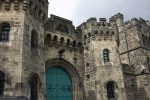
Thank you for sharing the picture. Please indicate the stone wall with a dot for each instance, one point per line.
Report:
(11, 51)
(134, 50)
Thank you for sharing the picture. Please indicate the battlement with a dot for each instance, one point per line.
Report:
(59, 24)
(61, 41)
(103, 22)
(54, 17)
(135, 21)
(38, 9)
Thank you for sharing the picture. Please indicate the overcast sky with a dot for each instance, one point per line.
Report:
(80, 10)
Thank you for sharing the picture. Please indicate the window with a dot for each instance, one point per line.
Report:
(34, 87)
(110, 90)
(34, 39)
(80, 44)
(143, 38)
(107, 33)
(55, 38)
(48, 39)
(2, 82)
(149, 42)
(89, 34)
(96, 32)
(4, 34)
(68, 41)
(62, 40)
(148, 63)
(146, 39)
(87, 64)
(74, 43)
(106, 55)
(85, 37)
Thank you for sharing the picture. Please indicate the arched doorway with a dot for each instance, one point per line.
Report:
(34, 87)
(2, 82)
(58, 84)
(71, 75)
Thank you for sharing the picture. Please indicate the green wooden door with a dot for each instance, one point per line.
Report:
(58, 84)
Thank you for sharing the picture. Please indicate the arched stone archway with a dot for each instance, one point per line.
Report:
(77, 92)
(111, 89)
(2, 82)
(34, 82)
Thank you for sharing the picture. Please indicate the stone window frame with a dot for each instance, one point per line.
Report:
(5, 32)
(106, 55)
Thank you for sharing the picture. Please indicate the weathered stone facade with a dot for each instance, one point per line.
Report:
(105, 60)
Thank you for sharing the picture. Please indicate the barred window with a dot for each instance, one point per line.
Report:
(5, 31)
(106, 55)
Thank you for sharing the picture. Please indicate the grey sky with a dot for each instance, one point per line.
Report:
(80, 10)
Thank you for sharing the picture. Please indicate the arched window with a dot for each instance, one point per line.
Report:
(110, 90)
(74, 43)
(4, 32)
(34, 87)
(106, 55)
(62, 40)
(34, 39)
(48, 39)
(2, 83)
(55, 38)
(68, 41)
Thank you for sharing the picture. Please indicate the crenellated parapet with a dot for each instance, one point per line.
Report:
(60, 25)
(36, 8)
(58, 41)
(99, 31)
(135, 21)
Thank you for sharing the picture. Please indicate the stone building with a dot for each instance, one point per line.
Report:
(49, 59)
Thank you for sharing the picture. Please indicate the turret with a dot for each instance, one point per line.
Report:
(36, 8)
(119, 21)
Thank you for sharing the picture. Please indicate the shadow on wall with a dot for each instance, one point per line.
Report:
(91, 95)
(142, 94)
(14, 98)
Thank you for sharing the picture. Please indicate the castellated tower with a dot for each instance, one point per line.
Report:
(21, 45)
(103, 79)
(134, 50)
(119, 20)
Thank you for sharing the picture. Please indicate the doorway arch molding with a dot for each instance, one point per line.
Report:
(72, 71)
